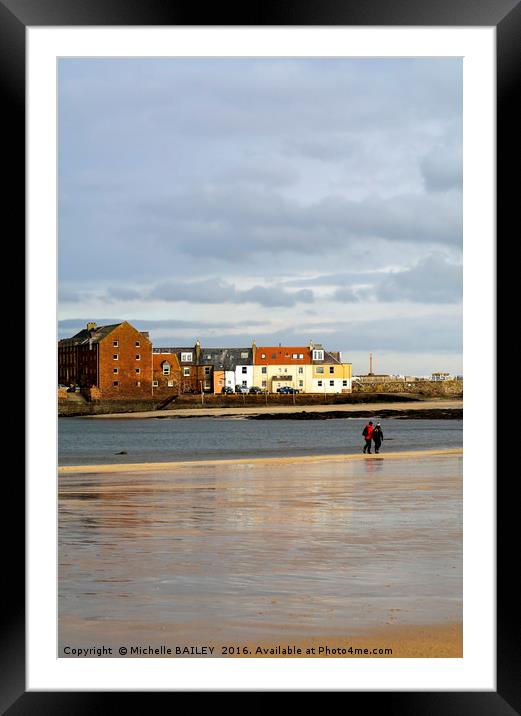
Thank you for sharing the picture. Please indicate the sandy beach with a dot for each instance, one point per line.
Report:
(342, 551)
(268, 461)
(369, 408)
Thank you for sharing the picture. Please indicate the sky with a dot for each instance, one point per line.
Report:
(275, 200)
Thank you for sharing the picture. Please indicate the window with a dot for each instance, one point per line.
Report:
(138, 357)
(301, 383)
(207, 385)
(244, 369)
(186, 357)
(138, 344)
(115, 370)
(332, 382)
(138, 370)
(301, 370)
(319, 383)
(166, 368)
(320, 369)
(116, 383)
(138, 383)
(207, 370)
(263, 383)
(115, 356)
(155, 383)
(318, 355)
(186, 371)
(264, 370)
(244, 383)
(170, 383)
(344, 383)
(244, 355)
(115, 344)
(263, 355)
(301, 356)
(331, 368)
(208, 357)
(294, 356)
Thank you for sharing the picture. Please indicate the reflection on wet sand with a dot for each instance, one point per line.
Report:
(260, 552)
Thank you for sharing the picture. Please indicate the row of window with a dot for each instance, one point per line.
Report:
(116, 370)
(115, 356)
(331, 383)
(294, 356)
(116, 344)
(116, 383)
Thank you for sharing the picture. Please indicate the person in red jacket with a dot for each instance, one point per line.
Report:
(367, 432)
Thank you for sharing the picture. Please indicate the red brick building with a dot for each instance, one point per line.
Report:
(195, 370)
(166, 373)
(116, 360)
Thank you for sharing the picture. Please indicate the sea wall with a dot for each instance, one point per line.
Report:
(423, 388)
(103, 407)
(100, 407)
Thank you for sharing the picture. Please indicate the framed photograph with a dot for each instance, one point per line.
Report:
(249, 208)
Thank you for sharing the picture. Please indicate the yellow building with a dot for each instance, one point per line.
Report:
(330, 377)
(272, 377)
(326, 373)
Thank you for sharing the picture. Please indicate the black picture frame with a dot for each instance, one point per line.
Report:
(505, 16)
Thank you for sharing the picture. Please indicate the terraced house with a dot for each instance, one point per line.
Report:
(193, 376)
(166, 373)
(328, 373)
(280, 366)
(229, 367)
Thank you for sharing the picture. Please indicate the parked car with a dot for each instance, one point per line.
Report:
(73, 389)
(227, 389)
(287, 390)
(255, 389)
(241, 389)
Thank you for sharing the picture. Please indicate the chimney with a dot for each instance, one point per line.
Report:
(370, 364)
(197, 351)
(253, 350)
(91, 326)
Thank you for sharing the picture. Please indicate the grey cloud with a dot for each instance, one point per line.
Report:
(442, 169)
(432, 280)
(215, 291)
(346, 295)
(241, 224)
(122, 293)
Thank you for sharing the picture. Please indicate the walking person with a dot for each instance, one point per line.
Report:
(367, 432)
(378, 437)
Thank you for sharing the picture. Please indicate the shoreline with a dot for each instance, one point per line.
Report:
(436, 407)
(162, 466)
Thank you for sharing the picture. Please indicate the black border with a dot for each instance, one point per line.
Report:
(505, 15)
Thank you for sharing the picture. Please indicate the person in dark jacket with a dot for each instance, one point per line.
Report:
(378, 437)
(367, 432)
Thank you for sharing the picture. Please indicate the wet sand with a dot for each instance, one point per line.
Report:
(370, 408)
(363, 552)
(179, 464)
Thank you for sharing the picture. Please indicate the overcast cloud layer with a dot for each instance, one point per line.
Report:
(281, 200)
